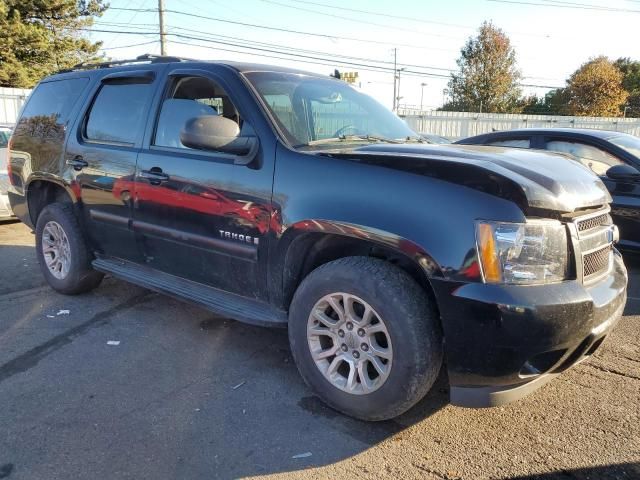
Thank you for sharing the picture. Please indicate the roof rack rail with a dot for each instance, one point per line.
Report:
(146, 58)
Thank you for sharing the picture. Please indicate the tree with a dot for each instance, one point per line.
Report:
(595, 89)
(488, 76)
(631, 82)
(38, 37)
(554, 102)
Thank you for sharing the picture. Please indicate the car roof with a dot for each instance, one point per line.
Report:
(144, 60)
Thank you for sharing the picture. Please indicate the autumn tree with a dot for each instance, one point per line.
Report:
(488, 75)
(38, 37)
(595, 89)
(631, 82)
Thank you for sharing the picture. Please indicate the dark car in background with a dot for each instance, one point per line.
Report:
(613, 156)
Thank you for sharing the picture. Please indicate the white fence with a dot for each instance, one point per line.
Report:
(455, 125)
(11, 100)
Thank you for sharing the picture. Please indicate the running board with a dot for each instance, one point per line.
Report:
(217, 301)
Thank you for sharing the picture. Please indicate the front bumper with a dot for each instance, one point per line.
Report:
(504, 341)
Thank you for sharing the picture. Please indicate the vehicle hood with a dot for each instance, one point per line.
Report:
(542, 180)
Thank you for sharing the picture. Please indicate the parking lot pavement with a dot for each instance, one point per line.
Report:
(185, 394)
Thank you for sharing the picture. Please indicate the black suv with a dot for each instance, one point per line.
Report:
(278, 197)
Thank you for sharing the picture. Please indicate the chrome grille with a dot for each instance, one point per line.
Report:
(595, 244)
(596, 262)
(594, 222)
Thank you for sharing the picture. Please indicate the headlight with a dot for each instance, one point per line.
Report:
(522, 253)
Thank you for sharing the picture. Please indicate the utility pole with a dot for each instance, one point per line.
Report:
(395, 66)
(163, 48)
(399, 97)
(624, 112)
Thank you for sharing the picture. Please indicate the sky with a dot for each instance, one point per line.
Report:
(551, 42)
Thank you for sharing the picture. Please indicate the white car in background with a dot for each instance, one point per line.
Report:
(5, 208)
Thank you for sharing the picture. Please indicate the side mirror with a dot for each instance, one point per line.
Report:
(623, 172)
(219, 134)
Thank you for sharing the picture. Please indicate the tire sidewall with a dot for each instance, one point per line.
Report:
(77, 249)
(414, 348)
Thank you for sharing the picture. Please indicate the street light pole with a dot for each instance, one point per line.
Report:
(422, 95)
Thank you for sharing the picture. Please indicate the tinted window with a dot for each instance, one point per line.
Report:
(513, 143)
(191, 97)
(40, 132)
(118, 113)
(597, 160)
(54, 98)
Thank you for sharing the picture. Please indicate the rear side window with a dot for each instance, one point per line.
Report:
(54, 99)
(118, 113)
(40, 132)
(512, 143)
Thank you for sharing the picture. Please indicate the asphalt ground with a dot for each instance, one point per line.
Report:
(188, 395)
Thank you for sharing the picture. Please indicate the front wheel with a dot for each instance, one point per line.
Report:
(365, 337)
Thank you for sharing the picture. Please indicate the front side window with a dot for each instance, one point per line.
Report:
(313, 111)
(118, 113)
(596, 159)
(191, 97)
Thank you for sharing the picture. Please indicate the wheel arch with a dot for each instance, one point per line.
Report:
(312, 243)
(42, 192)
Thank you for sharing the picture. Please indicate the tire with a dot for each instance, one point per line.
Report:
(413, 337)
(78, 276)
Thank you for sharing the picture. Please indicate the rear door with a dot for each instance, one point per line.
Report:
(102, 157)
(199, 215)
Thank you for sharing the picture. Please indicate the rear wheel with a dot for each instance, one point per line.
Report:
(365, 337)
(62, 252)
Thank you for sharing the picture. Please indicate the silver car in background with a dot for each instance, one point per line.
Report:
(5, 208)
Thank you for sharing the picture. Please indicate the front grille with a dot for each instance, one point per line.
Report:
(594, 222)
(596, 262)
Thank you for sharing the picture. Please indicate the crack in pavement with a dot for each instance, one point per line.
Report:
(32, 357)
(608, 370)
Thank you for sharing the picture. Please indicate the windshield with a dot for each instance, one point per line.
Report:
(318, 112)
(629, 143)
(4, 138)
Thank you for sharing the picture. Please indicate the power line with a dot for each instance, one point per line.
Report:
(287, 30)
(570, 5)
(378, 14)
(354, 20)
(332, 60)
(129, 46)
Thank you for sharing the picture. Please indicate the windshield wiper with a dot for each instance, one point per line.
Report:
(351, 138)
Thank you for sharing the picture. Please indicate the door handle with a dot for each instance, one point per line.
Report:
(155, 176)
(78, 163)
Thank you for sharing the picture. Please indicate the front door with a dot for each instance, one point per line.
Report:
(102, 155)
(199, 215)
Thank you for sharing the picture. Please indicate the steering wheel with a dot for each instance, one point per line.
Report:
(343, 131)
